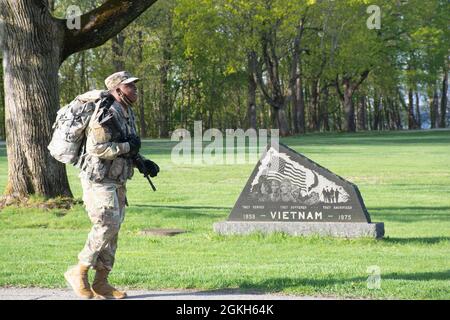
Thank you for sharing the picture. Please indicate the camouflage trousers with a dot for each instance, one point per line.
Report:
(105, 204)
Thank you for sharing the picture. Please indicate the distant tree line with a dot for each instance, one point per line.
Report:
(296, 65)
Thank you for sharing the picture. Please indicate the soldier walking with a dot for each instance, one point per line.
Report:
(107, 164)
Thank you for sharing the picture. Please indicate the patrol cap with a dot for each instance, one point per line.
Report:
(118, 78)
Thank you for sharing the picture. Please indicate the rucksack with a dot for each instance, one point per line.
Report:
(70, 125)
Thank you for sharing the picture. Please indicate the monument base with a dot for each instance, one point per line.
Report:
(333, 229)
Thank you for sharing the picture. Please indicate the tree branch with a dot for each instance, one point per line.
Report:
(338, 88)
(362, 77)
(101, 24)
(51, 5)
(297, 51)
(43, 4)
(257, 77)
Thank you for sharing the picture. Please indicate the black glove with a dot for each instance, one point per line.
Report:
(151, 167)
(135, 145)
(146, 167)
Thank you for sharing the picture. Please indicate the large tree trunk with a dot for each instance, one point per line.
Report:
(117, 46)
(34, 46)
(388, 118)
(338, 120)
(281, 121)
(324, 115)
(31, 94)
(2, 104)
(350, 86)
(251, 92)
(443, 118)
(411, 119)
(418, 117)
(51, 5)
(381, 107)
(398, 118)
(164, 92)
(349, 109)
(434, 109)
(296, 82)
(370, 114)
(142, 124)
(396, 115)
(393, 123)
(362, 113)
(314, 109)
(299, 104)
(377, 112)
(272, 91)
(84, 86)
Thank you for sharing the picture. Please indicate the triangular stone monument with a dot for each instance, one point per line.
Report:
(287, 192)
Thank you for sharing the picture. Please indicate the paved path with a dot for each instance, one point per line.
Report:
(66, 294)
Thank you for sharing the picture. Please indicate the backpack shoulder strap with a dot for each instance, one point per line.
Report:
(94, 114)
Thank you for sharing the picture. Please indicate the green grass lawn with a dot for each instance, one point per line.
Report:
(404, 178)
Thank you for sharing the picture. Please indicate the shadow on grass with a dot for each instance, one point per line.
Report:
(412, 208)
(182, 207)
(274, 285)
(426, 240)
(278, 284)
(421, 276)
(411, 214)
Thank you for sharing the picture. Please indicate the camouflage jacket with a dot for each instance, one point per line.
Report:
(101, 161)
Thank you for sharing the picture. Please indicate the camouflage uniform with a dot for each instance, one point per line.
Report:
(103, 177)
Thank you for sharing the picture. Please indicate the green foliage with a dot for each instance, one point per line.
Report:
(192, 58)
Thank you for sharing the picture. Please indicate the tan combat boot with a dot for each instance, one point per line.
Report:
(102, 289)
(77, 277)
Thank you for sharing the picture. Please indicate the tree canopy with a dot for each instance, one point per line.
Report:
(296, 65)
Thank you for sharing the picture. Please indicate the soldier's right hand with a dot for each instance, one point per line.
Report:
(135, 145)
(151, 167)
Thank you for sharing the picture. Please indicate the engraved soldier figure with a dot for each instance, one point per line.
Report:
(264, 191)
(106, 165)
(336, 195)
(275, 187)
(295, 193)
(332, 195)
(285, 190)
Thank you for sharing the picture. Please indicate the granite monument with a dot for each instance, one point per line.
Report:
(287, 192)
